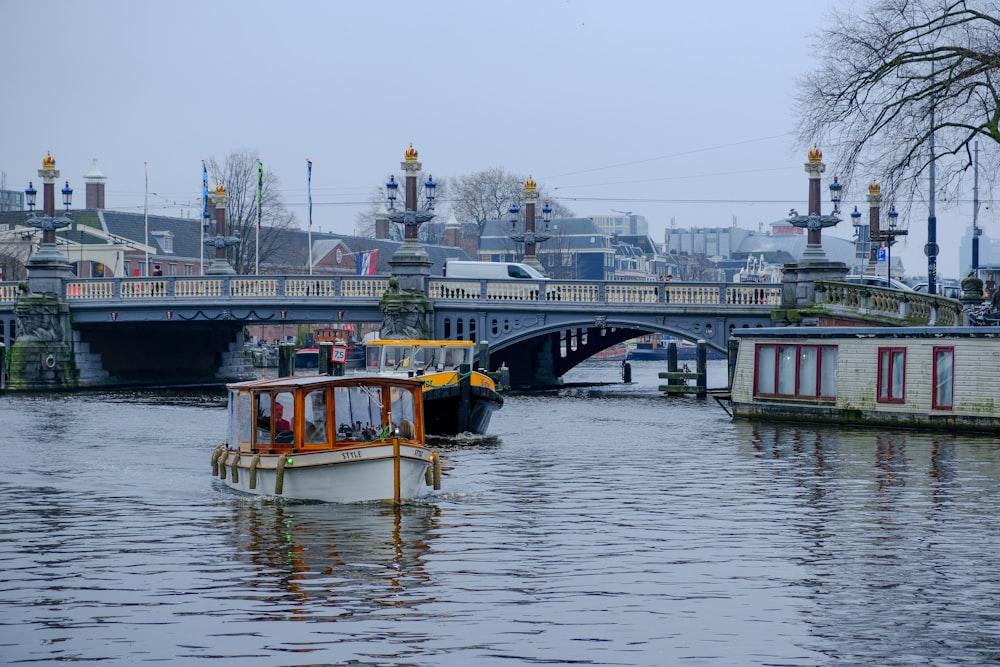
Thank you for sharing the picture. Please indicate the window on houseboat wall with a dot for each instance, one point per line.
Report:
(891, 374)
(944, 378)
(797, 371)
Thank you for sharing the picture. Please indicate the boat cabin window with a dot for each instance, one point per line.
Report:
(275, 417)
(358, 411)
(455, 356)
(315, 414)
(403, 412)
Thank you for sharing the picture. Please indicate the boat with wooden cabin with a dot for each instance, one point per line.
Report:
(332, 439)
(920, 377)
(457, 398)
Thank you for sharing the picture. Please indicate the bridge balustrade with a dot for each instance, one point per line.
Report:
(891, 304)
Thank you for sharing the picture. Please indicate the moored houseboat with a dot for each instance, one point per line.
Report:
(332, 439)
(921, 377)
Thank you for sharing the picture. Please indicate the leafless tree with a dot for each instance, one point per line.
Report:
(488, 195)
(238, 173)
(897, 74)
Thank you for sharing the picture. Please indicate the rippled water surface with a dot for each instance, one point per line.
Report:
(603, 525)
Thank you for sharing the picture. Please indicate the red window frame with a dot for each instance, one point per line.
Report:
(886, 372)
(941, 405)
(816, 394)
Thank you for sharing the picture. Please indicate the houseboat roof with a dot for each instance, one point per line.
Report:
(870, 332)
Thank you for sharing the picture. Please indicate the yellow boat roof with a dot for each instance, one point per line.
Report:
(424, 343)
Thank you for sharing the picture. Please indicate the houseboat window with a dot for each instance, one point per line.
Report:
(944, 378)
(798, 371)
(891, 374)
(358, 411)
(787, 358)
(766, 369)
(314, 412)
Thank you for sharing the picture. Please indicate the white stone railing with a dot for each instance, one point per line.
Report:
(890, 305)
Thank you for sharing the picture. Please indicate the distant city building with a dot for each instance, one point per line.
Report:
(11, 200)
(623, 224)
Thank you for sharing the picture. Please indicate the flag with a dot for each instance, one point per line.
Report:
(260, 189)
(204, 195)
(309, 186)
(366, 262)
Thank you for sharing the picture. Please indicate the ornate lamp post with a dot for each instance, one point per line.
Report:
(410, 263)
(814, 223)
(220, 265)
(48, 266)
(529, 238)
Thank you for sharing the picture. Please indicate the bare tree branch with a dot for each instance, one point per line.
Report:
(238, 173)
(893, 77)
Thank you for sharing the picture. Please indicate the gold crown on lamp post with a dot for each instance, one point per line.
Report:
(874, 188)
(815, 154)
(410, 154)
(220, 190)
(48, 162)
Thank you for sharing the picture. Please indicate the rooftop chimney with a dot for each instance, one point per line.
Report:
(95, 186)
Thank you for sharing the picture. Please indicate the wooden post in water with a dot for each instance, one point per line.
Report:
(672, 362)
(701, 367)
(325, 367)
(286, 360)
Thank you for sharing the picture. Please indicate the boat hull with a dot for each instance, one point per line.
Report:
(446, 412)
(359, 474)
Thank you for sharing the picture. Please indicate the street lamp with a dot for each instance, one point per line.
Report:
(835, 190)
(530, 238)
(859, 247)
(814, 222)
(48, 222)
(410, 217)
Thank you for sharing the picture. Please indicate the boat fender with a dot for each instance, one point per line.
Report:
(429, 474)
(223, 461)
(216, 453)
(279, 476)
(437, 473)
(236, 471)
(50, 361)
(254, 462)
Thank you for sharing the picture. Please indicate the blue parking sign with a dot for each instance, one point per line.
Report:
(881, 255)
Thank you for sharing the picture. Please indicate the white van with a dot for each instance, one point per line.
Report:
(455, 268)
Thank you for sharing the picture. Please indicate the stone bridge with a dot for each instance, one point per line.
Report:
(175, 330)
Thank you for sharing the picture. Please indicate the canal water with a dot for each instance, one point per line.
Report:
(598, 525)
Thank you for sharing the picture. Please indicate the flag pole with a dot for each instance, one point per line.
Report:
(145, 215)
(204, 215)
(260, 195)
(309, 178)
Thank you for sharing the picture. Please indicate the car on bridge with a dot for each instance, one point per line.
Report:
(878, 281)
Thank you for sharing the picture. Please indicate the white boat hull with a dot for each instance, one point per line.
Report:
(348, 475)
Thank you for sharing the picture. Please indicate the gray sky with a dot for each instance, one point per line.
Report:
(680, 111)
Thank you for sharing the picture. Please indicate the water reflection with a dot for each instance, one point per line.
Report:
(893, 526)
(324, 562)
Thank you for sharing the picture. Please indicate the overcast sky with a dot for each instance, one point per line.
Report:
(680, 111)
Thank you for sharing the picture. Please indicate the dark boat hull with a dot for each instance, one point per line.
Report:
(448, 412)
